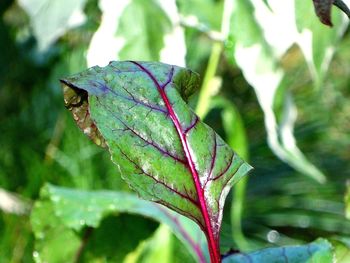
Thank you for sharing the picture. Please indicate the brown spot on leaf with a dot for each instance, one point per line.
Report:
(76, 100)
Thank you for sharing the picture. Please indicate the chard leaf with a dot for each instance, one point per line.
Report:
(318, 251)
(162, 149)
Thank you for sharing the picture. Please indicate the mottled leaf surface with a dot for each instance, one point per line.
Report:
(319, 251)
(62, 212)
(161, 147)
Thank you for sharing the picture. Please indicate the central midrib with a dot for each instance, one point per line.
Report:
(202, 203)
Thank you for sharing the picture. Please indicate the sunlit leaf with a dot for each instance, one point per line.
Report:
(129, 30)
(163, 150)
(259, 46)
(341, 250)
(50, 19)
(159, 248)
(315, 40)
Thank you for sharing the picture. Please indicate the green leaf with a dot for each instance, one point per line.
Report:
(129, 30)
(161, 147)
(347, 200)
(203, 12)
(317, 42)
(319, 251)
(50, 234)
(62, 15)
(341, 250)
(61, 213)
(258, 53)
(156, 249)
(144, 39)
(232, 124)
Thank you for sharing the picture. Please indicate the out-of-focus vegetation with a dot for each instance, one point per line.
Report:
(275, 86)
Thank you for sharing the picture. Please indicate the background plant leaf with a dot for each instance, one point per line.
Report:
(347, 201)
(341, 249)
(115, 39)
(62, 16)
(62, 213)
(318, 251)
(258, 54)
(316, 42)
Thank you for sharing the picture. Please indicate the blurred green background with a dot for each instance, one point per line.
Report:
(273, 78)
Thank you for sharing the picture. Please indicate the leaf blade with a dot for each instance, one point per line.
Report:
(61, 212)
(317, 251)
(163, 150)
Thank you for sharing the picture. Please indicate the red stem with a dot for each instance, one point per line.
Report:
(213, 244)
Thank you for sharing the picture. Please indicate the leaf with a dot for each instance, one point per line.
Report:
(204, 13)
(62, 15)
(76, 101)
(117, 39)
(50, 234)
(156, 249)
(347, 201)
(317, 43)
(258, 52)
(323, 9)
(233, 125)
(342, 6)
(319, 251)
(341, 250)
(161, 147)
(61, 212)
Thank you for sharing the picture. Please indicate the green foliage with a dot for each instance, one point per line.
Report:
(302, 67)
(50, 19)
(347, 201)
(143, 36)
(318, 251)
(72, 215)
